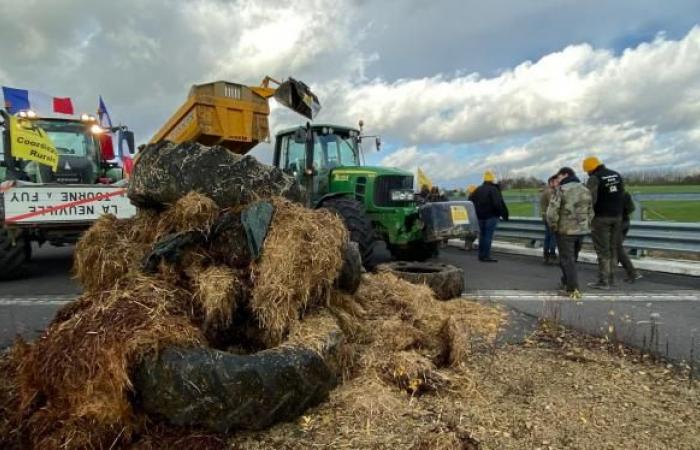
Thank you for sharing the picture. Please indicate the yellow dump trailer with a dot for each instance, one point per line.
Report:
(233, 115)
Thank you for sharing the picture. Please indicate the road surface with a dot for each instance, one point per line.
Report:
(661, 312)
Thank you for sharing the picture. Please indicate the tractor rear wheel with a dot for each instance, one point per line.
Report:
(358, 224)
(14, 253)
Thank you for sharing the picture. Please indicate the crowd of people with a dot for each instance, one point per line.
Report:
(571, 211)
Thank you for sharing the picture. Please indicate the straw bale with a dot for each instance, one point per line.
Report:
(104, 254)
(81, 365)
(193, 212)
(299, 263)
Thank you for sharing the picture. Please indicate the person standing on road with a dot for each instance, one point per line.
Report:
(607, 190)
(550, 244)
(623, 257)
(469, 242)
(569, 215)
(489, 206)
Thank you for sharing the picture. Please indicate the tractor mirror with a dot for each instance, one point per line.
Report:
(128, 137)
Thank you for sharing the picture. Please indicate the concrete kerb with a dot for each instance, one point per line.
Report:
(677, 267)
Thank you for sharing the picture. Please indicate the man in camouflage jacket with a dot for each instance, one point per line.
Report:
(569, 214)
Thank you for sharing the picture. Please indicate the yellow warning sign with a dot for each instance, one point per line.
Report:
(459, 215)
(31, 143)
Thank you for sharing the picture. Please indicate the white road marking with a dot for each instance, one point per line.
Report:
(528, 296)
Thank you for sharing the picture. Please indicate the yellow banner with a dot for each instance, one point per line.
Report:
(423, 180)
(31, 143)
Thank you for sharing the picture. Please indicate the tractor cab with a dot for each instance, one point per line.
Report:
(312, 154)
(83, 154)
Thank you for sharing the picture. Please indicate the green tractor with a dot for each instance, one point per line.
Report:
(376, 203)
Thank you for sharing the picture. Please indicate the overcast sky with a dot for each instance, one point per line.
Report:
(453, 86)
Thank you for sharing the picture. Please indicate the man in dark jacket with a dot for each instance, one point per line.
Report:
(607, 191)
(489, 206)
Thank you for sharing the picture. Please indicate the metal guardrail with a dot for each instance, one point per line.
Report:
(644, 235)
(638, 198)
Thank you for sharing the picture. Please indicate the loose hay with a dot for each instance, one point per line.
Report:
(74, 382)
(193, 212)
(300, 261)
(218, 290)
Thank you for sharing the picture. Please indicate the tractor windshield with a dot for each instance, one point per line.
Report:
(333, 149)
(70, 138)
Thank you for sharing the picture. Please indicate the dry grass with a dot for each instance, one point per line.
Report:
(300, 261)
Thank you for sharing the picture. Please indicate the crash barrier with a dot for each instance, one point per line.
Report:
(639, 211)
(643, 235)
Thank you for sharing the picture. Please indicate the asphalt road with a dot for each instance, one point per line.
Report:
(660, 312)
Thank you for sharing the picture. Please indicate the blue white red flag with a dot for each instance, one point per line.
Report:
(15, 100)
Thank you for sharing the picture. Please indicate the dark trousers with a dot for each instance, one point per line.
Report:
(550, 241)
(622, 254)
(486, 230)
(606, 233)
(569, 248)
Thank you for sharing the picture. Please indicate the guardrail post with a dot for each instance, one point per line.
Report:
(638, 213)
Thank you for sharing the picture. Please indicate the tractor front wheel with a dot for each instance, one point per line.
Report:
(14, 253)
(358, 224)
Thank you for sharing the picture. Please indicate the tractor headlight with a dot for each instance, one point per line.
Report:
(96, 129)
(401, 195)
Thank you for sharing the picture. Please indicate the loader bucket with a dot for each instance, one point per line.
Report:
(297, 96)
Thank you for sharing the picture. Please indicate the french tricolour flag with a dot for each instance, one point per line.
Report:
(15, 100)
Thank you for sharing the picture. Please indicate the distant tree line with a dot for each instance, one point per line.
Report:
(661, 177)
(521, 182)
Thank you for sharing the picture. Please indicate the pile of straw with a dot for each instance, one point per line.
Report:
(75, 380)
(72, 387)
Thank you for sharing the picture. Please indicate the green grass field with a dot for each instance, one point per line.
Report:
(676, 211)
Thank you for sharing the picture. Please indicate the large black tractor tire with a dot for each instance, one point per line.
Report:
(220, 391)
(445, 280)
(358, 224)
(416, 251)
(14, 254)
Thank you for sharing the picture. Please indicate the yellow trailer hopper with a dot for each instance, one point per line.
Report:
(233, 115)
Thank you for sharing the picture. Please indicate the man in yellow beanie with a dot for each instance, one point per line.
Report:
(607, 192)
(489, 206)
